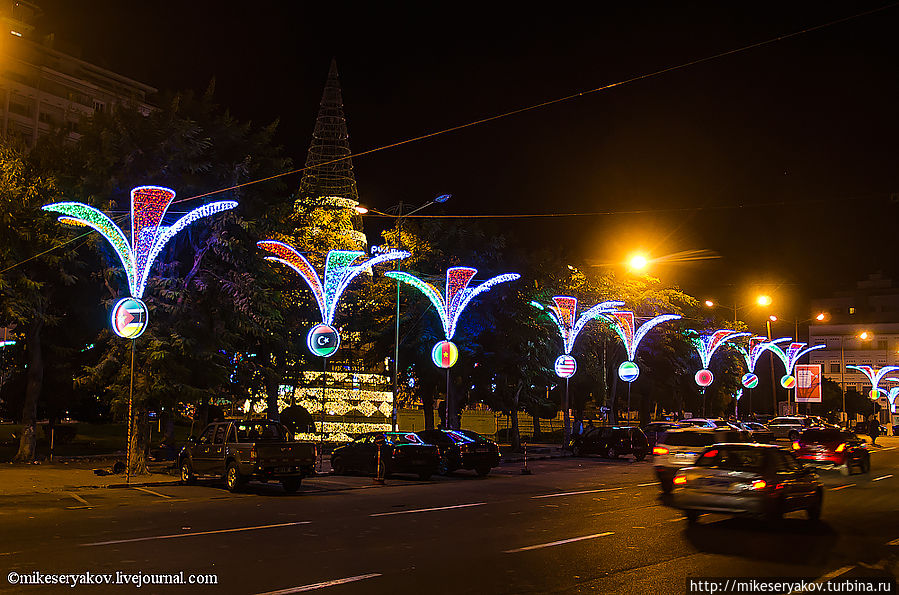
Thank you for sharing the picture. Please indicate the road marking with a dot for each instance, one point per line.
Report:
(882, 477)
(175, 536)
(885, 449)
(643, 485)
(78, 498)
(576, 493)
(561, 542)
(314, 586)
(842, 487)
(894, 542)
(833, 574)
(152, 492)
(680, 518)
(428, 509)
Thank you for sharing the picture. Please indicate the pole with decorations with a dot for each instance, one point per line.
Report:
(751, 354)
(624, 325)
(875, 376)
(706, 346)
(450, 306)
(790, 357)
(148, 237)
(564, 313)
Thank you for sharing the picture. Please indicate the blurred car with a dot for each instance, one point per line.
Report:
(757, 432)
(680, 447)
(791, 426)
(758, 479)
(401, 452)
(654, 430)
(833, 449)
(611, 442)
(462, 449)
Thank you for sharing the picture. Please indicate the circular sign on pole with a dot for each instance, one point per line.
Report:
(873, 394)
(750, 380)
(445, 354)
(565, 366)
(788, 381)
(628, 371)
(704, 378)
(323, 340)
(129, 318)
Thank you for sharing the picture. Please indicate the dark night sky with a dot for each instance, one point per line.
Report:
(782, 158)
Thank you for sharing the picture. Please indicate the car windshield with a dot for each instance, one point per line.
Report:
(793, 421)
(471, 435)
(260, 431)
(733, 459)
(689, 439)
(820, 436)
(400, 438)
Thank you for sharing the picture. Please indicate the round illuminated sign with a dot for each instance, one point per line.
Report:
(750, 380)
(129, 318)
(565, 366)
(788, 381)
(704, 378)
(873, 394)
(323, 340)
(445, 354)
(628, 371)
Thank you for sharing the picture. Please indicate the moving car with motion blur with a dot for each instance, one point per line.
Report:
(401, 452)
(462, 449)
(611, 442)
(833, 449)
(791, 426)
(655, 430)
(761, 480)
(757, 432)
(680, 447)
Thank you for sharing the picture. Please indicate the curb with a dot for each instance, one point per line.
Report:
(143, 484)
(535, 458)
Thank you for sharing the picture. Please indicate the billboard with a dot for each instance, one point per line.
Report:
(808, 383)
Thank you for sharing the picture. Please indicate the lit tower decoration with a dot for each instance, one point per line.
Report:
(706, 346)
(751, 355)
(564, 314)
(891, 397)
(875, 376)
(790, 357)
(148, 237)
(624, 325)
(457, 297)
(323, 339)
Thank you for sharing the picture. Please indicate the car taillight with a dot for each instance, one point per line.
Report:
(841, 447)
(796, 446)
(397, 452)
(759, 484)
(253, 455)
(660, 450)
(679, 480)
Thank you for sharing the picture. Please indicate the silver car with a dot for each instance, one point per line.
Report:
(680, 447)
(791, 426)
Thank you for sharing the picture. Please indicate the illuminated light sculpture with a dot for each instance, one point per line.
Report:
(450, 307)
(789, 357)
(891, 395)
(751, 355)
(445, 354)
(565, 366)
(704, 378)
(875, 376)
(323, 339)
(706, 346)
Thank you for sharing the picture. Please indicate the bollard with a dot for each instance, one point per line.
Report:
(379, 475)
(525, 471)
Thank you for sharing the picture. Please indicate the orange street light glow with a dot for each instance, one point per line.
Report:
(772, 318)
(820, 316)
(763, 300)
(361, 210)
(865, 335)
(638, 262)
(709, 303)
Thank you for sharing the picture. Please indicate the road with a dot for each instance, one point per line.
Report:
(573, 526)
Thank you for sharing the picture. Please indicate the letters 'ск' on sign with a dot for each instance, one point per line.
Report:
(808, 383)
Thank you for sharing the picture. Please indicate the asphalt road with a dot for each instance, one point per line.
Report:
(574, 525)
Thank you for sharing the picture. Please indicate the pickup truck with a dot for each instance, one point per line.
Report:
(240, 450)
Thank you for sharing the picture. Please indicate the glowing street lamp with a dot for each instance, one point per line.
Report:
(638, 262)
(763, 300)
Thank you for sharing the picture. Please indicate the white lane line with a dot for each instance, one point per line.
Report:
(427, 509)
(643, 485)
(882, 477)
(680, 518)
(152, 492)
(561, 542)
(833, 574)
(885, 449)
(175, 536)
(849, 485)
(894, 542)
(322, 585)
(577, 493)
(78, 498)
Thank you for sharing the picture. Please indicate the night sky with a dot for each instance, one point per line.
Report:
(781, 159)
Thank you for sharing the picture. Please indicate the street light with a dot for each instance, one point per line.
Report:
(762, 300)
(638, 262)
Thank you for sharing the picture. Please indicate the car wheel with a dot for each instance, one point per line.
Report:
(483, 470)
(814, 511)
(692, 516)
(291, 484)
(233, 479)
(640, 455)
(337, 466)
(612, 452)
(793, 436)
(667, 486)
(187, 474)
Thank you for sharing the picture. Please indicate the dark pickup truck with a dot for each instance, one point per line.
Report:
(238, 451)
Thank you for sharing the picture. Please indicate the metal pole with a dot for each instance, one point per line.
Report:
(771, 361)
(566, 431)
(321, 446)
(629, 403)
(396, 350)
(843, 381)
(446, 422)
(130, 401)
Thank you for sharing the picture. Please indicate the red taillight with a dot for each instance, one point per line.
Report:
(711, 453)
(759, 484)
(397, 452)
(841, 447)
(253, 455)
(660, 450)
(796, 446)
(679, 480)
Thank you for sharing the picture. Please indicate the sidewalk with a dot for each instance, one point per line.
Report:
(17, 480)
(536, 452)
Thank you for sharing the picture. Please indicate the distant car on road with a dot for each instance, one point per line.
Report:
(680, 447)
(401, 452)
(756, 479)
(611, 442)
(462, 449)
(792, 426)
(833, 449)
(654, 430)
(757, 432)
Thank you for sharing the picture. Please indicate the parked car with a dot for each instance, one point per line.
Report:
(611, 442)
(462, 449)
(401, 452)
(792, 426)
(654, 430)
(680, 447)
(833, 449)
(239, 451)
(757, 432)
(757, 479)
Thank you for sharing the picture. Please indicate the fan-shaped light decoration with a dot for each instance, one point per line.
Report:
(790, 357)
(148, 236)
(624, 326)
(875, 376)
(564, 314)
(457, 296)
(751, 355)
(706, 345)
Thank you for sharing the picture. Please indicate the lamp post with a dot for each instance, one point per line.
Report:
(771, 360)
(762, 300)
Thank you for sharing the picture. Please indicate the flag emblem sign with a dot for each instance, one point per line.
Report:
(565, 366)
(788, 381)
(129, 318)
(323, 340)
(445, 354)
(704, 378)
(750, 380)
(628, 371)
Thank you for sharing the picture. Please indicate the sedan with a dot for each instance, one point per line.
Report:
(611, 442)
(754, 479)
(757, 432)
(833, 449)
(654, 430)
(400, 452)
(462, 449)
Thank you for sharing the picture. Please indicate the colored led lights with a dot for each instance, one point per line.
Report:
(874, 376)
(565, 366)
(323, 340)
(750, 380)
(564, 314)
(628, 371)
(445, 354)
(623, 323)
(706, 345)
(790, 356)
(704, 378)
